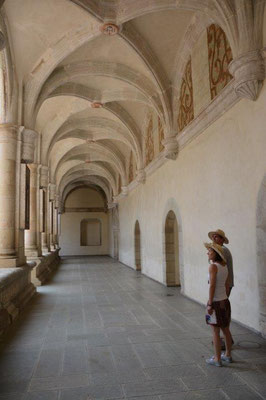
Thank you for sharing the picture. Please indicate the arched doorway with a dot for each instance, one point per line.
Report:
(172, 250)
(261, 252)
(137, 247)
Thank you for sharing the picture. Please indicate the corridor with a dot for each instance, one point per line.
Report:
(100, 330)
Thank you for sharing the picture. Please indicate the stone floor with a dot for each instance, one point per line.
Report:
(100, 330)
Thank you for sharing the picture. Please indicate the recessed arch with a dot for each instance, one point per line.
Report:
(171, 205)
(172, 250)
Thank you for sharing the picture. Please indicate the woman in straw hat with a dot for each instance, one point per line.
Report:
(218, 306)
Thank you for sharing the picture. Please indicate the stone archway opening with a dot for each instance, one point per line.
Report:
(137, 247)
(172, 250)
(261, 253)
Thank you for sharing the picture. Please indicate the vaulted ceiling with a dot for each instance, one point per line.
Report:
(90, 70)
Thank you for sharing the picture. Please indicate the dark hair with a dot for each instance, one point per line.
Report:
(217, 256)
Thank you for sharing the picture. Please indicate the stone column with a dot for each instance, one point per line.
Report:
(31, 235)
(8, 180)
(52, 194)
(44, 203)
(55, 235)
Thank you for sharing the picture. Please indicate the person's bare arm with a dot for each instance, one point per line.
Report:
(212, 273)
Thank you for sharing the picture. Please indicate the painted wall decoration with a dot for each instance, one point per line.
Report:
(149, 142)
(220, 55)
(130, 170)
(161, 134)
(186, 106)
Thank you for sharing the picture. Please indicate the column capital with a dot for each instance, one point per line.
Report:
(141, 176)
(28, 145)
(44, 172)
(124, 190)
(52, 191)
(249, 72)
(171, 147)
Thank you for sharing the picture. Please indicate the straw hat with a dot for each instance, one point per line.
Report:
(220, 233)
(217, 248)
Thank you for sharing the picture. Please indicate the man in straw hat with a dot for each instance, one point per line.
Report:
(219, 238)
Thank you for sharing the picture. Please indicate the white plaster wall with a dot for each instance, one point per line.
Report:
(69, 240)
(213, 184)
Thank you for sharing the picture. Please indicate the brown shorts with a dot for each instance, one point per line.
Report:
(222, 311)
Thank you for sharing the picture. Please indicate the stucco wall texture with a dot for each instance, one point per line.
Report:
(213, 183)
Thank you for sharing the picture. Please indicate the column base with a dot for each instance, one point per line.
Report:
(32, 253)
(9, 262)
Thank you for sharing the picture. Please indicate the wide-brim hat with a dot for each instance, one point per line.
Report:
(220, 233)
(216, 247)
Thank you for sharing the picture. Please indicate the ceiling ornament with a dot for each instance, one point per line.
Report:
(109, 29)
(96, 104)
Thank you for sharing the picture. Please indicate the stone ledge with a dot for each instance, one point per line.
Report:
(16, 290)
(44, 268)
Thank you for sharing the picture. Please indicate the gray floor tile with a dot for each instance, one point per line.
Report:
(59, 382)
(216, 394)
(12, 396)
(241, 393)
(154, 387)
(93, 392)
(212, 381)
(50, 363)
(174, 371)
(47, 395)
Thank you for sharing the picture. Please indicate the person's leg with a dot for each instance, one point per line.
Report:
(228, 340)
(216, 343)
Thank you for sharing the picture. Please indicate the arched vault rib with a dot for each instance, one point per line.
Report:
(50, 60)
(134, 39)
(131, 135)
(85, 169)
(94, 180)
(93, 152)
(92, 68)
(113, 131)
(82, 176)
(221, 12)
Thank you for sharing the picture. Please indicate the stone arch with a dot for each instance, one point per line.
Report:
(171, 206)
(137, 246)
(261, 252)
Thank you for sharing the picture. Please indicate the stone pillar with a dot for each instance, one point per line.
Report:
(55, 233)
(52, 194)
(31, 235)
(44, 204)
(9, 171)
